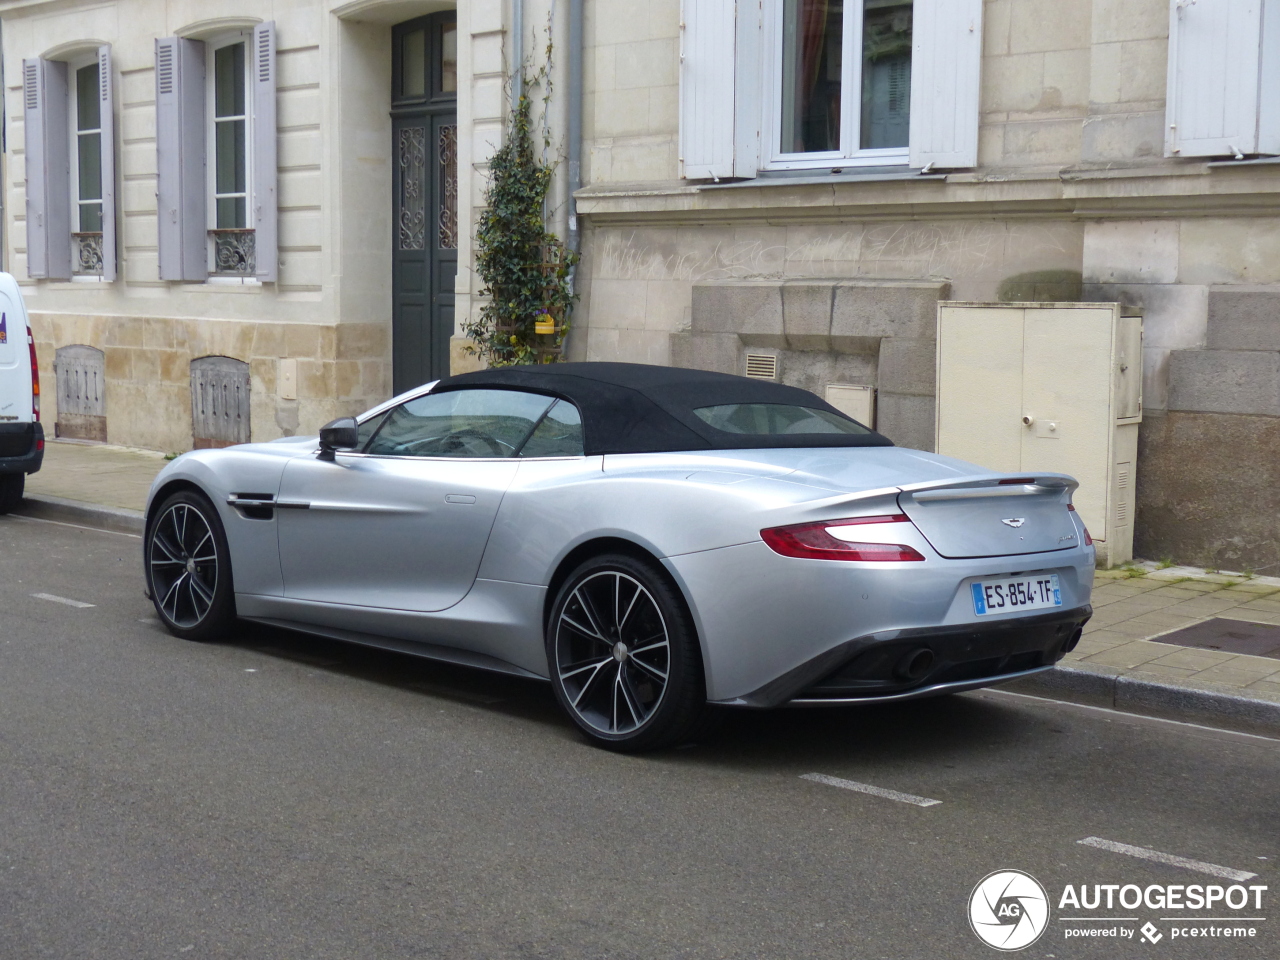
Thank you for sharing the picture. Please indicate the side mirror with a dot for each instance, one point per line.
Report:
(340, 434)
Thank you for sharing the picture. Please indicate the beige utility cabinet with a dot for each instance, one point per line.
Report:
(1048, 386)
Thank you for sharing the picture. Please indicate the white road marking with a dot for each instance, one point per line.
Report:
(1142, 853)
(69, 603)
(991, 692)
(868, 788)
(76, 526)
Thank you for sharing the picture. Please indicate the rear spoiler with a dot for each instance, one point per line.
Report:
(957, 488)
(975, 488)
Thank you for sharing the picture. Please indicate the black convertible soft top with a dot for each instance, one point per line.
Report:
(642, 408)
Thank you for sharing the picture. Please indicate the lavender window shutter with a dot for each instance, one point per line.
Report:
(180, 159)
(108, 138)
(44, 84)
(264, 151)
(33, 127)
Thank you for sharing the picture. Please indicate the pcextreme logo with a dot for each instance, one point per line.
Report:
(1008, 910)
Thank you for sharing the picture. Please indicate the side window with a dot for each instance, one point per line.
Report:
(558, 435)
(369, 428)
(460, 423)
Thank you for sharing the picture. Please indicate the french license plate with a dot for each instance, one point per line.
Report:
(1016, 593)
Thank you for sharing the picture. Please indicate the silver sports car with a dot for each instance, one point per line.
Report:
(655, 542)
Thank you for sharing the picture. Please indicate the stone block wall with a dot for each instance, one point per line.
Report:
(343, 369)
(1209, 467)
(876, 332)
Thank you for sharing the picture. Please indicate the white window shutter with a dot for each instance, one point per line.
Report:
(748, 107)
(1216, 50)
(108, 151)
(182, 207)
(48, 156)
(946, 65)
(264, 152)
(708, 67)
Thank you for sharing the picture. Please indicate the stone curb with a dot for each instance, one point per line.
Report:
(1151, 697)
(43, 507)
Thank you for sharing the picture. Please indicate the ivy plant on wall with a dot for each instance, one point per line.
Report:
(524, 267)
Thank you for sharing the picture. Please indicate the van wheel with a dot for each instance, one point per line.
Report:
(11, 485)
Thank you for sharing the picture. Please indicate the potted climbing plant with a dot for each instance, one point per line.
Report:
(524, 267)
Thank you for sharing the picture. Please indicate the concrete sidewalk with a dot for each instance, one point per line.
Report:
(1117, 664)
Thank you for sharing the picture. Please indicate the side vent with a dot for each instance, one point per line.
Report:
(762, 366)
(1122, 487)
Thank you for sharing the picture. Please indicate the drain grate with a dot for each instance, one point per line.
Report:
(1229, 636)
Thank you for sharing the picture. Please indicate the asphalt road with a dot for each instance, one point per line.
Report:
(284, 797)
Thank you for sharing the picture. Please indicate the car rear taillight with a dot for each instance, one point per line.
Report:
(35, 377)
(1088, 540)
(814, 541)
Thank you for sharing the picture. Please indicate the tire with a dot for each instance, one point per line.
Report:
(624, 657)
(188, 568)
(11, 487)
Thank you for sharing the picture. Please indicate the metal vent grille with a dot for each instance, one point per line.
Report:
(164, 66)
(219, 402)
(104, 77)
(1122, 484)
(30, 82)
(762, 366)
(264, 56)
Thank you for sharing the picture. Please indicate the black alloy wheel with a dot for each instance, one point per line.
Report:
(624, 657)
(188, 568)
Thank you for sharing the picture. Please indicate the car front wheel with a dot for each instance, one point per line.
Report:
(624, 656)
(188, 568)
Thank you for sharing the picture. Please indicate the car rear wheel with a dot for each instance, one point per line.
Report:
(188, 568)
(11, 486)
(624, 656)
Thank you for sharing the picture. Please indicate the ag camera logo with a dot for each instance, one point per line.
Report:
(1008, 910)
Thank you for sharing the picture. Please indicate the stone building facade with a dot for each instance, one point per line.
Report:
(287, 335)
(754, 178)
(1074, 189)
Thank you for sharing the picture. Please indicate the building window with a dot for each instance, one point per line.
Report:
(86, 171)
(216, 177)
(842, 87)
(835, 84)
(68, 121)
(231, 246)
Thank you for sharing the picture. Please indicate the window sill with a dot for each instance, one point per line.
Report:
(796, 178)
(1253, 162)
(224, 283)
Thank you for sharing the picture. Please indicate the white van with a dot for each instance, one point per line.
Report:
(21, 436)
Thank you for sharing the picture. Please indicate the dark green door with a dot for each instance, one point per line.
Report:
(424, 99)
